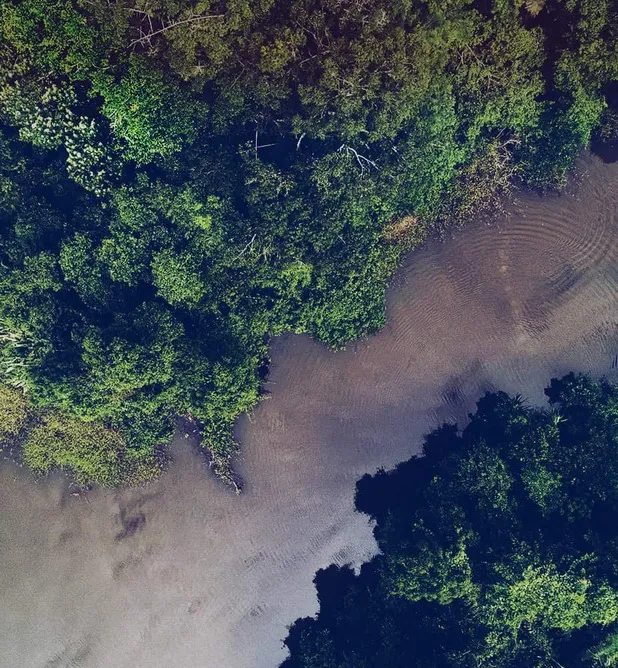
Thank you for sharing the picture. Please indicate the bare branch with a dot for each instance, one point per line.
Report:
(169, 26)
(361, 159)
(247, 246)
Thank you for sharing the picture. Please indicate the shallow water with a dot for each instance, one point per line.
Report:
(184, 573)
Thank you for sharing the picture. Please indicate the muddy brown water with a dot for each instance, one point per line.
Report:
(182, 573)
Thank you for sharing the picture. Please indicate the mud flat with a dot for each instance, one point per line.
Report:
(184, 573)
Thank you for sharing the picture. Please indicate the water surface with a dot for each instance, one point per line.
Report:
(184, 573)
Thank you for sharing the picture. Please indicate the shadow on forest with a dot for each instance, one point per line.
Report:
(607, 147)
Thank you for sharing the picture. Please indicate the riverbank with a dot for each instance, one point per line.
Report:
(183, 572)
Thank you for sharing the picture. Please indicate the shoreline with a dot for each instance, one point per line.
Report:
(207, 579)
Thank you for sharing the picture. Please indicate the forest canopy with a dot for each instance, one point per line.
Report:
(499, 547)
(181, 180)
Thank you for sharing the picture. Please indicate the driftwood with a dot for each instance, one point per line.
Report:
(222, 468)
(220, 465)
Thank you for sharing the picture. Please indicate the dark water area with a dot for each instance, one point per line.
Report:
(184, 573)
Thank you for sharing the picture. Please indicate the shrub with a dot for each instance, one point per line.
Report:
(13, 411)
(93, 453)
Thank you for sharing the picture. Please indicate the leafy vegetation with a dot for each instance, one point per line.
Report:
(91, 452)
(13, 412)
(180, 181)
(499, 546)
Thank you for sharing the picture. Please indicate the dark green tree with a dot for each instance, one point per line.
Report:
(498, 546)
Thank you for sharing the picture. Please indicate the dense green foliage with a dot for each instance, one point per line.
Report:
(499, 546)
(180, 180)
(91, 452)
(13, 412)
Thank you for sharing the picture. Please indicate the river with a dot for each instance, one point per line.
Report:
(182, 573)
